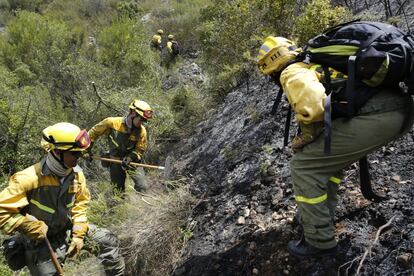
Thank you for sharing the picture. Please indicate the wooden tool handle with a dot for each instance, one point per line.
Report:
(55, 260)
(132, 163)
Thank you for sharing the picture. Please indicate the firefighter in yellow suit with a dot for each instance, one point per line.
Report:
(50, 199)
(127, 138)
(316, 176)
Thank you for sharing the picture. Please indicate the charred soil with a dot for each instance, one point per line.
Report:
(239, 172)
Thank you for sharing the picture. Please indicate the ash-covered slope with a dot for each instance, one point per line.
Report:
(239, 171)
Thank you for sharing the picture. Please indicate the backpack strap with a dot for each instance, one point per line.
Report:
(410, 79)
(350, 86)
(277, 101)
(287, 126)
(288, 115)
(327, 113)
(327, 125)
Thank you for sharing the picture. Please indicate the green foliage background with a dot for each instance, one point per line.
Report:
(52, 50)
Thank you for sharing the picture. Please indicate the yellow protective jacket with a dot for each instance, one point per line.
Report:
(122, 142)
(38, 192)
(156, 40)
(305, 92)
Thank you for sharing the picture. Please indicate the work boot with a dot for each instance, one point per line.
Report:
(302, 249)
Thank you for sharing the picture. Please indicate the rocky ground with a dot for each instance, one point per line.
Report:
(244, 218)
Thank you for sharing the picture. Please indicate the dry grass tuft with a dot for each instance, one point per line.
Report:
(155, 232)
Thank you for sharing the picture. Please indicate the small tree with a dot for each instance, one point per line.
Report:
(317, 16)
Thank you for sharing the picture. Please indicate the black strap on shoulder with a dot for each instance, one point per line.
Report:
(288, 115)
(287, 126)
(277, 101)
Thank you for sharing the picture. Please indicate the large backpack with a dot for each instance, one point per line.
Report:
(384, 55)
(175, 48)
(372, 55)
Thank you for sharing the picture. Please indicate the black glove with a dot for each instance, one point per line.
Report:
(125, 162)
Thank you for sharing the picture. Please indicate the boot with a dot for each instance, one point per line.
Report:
(302, 249)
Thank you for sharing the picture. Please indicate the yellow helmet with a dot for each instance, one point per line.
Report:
(170, 37)
(65, 136)
(160, 32)
(142, 108)
(275, 53)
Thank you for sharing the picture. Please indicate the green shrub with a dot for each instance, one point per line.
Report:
(24, 113)
(129, 9)
(307, 27)
(230, 36)
(35, 47)
(187, 108)
(124, 46)
(30, 5)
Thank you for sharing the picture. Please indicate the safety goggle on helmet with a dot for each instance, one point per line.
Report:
(275, 53)
(142, 108)
(66, 137)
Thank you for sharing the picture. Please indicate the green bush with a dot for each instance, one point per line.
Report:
(35, 47)
(187, 108)
(230, 35)
(124, 46)
(24, 113)
(307, 27)
(30, 5)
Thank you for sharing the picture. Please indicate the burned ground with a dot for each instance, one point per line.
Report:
(244, 218)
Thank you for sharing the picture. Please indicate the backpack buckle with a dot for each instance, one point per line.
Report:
(307, 59)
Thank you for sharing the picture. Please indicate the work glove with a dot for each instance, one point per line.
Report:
(88, 156)
(79, 231)
(33, 228)
(75, 247)
(125, 162)
(309, 133)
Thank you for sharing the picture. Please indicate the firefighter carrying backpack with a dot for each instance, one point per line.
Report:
(371, 54)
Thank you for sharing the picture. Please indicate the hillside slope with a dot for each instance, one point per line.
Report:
(244, 217)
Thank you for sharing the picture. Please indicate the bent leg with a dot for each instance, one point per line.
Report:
(118, 176)
(312, 169)
(38, 258)
(105, 246)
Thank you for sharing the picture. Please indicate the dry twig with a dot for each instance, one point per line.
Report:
(143, 199)
(368, 250)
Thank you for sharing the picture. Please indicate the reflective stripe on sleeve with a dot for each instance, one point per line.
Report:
(69, 205)
(11, 222)
(314, 200)
(335, 180)
(42, 207)
(113, 141)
